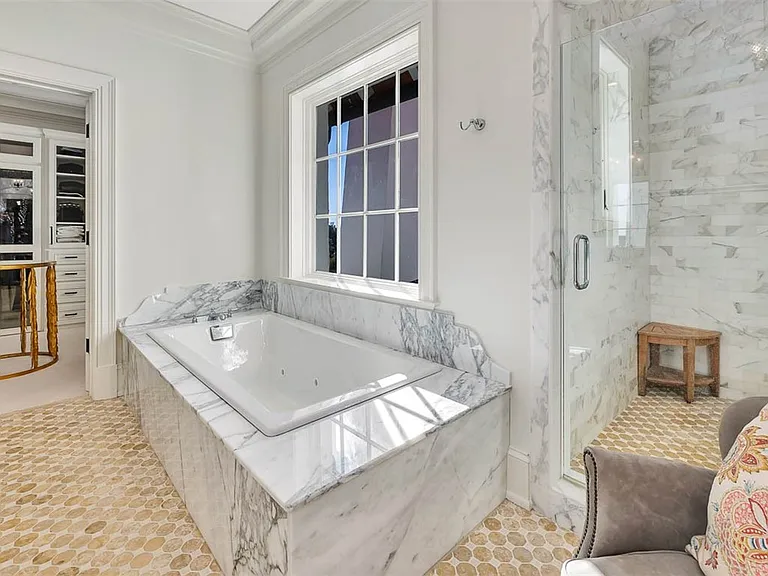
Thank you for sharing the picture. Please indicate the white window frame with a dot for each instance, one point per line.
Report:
(391, 56)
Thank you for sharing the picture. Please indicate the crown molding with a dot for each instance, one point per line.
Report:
(290, 24)
(185, 29)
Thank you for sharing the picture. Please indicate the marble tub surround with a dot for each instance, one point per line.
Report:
(225, 469)
(178, 302)
(430, 334)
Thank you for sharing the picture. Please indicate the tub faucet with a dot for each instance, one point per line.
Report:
(221, 316)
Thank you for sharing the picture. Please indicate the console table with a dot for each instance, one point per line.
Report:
(28, 316)
(656, 334)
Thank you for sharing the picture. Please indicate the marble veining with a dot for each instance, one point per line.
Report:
(298, 466)
(429, 334)
(383, 488)
(178, 302)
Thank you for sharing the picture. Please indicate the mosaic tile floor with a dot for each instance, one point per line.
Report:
(511, 541)
(662, 424)
(81, 493)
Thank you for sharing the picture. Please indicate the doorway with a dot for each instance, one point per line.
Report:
(96, 343)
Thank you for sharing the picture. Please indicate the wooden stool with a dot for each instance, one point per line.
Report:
(655, 334)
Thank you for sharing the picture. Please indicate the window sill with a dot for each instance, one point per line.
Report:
(389, 294)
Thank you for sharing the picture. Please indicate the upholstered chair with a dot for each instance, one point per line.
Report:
(642, 511)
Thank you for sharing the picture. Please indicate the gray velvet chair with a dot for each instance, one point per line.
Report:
(643, 511)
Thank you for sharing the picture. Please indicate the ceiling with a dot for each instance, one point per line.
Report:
(239, 13)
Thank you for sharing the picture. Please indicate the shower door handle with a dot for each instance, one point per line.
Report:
(578, 266)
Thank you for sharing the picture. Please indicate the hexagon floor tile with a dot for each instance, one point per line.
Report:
(81, 493)
(511, 541)
(663, 424)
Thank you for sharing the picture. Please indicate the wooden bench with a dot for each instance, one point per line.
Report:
(656, 334)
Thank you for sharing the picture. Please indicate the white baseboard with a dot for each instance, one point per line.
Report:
(104, 382)
(518, 481)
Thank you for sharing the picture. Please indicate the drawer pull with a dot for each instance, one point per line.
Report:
(70, 273)
(70, 314)
(70, 293)
(70, 257)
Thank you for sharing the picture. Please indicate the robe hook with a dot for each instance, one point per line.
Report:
(476, 123)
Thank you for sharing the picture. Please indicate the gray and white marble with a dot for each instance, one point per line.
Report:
(244, 527)
(178, 302)
(260, 501)
(429, 334)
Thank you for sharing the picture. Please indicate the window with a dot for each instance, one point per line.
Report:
(355, 174)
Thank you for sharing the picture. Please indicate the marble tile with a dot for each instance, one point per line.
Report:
(199, 300)
(429, 334)
(208, 469)
(392, 519)
(259, 530)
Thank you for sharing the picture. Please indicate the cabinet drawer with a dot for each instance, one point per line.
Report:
(67, 293)
(72, 313)
(69, 273)
(66, 258)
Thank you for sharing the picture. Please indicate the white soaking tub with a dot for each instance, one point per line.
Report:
(281, 373)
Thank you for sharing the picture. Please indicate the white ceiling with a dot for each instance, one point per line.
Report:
(240, 13)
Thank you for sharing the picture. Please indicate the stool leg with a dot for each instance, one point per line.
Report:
(642, 363)
(714, 368)
(689, 369)
(655, 352)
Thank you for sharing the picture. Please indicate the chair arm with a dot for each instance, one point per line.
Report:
(640, 503)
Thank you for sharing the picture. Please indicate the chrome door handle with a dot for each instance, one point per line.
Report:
(577, 241)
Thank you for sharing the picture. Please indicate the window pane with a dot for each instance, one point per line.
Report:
(409, 100)
(381, 246)
(326, 197)
(351, 235)
(381, 110)
(409, 174)
(325, 245)
(351, 178)
(16, 207)
(409, 247)
(326, 129)
(352, 120)
(381, 178)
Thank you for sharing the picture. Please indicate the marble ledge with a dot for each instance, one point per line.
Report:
(299, 466)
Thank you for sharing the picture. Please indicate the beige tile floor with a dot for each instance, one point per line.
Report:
(81, 493)
(511, 541)
(663, 424)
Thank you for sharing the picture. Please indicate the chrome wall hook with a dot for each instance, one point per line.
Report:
(476, 123)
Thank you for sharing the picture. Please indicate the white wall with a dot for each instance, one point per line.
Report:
(482, 180)
(187, 201)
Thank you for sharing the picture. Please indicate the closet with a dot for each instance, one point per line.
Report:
(43, 215)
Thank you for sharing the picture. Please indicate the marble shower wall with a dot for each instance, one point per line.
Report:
(709, 185)
(602, 321)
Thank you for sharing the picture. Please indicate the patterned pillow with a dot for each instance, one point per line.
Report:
(736, 542)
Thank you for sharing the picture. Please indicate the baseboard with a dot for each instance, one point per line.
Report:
(518, 481)
(104, 382)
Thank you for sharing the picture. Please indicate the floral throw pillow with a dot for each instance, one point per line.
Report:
(736, 542)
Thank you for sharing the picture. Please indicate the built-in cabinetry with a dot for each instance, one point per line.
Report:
(66, 168)
(21, 209)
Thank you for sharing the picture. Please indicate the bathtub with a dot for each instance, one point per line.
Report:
(281, 373)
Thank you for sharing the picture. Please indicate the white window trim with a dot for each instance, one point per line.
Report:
(404, 49)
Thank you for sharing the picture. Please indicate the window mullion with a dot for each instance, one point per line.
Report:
(365, 181)
(338, 185)
(397, 176)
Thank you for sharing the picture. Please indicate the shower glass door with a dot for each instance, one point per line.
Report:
(604, 203)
